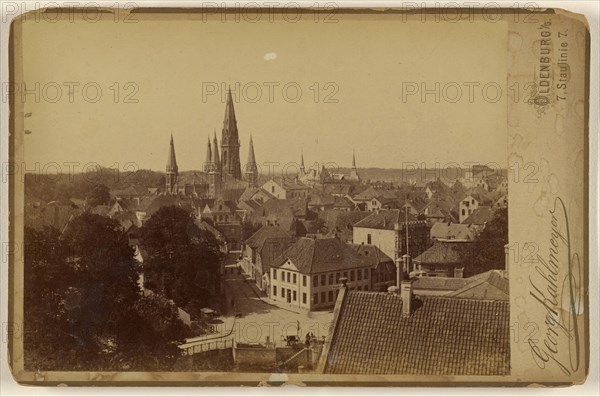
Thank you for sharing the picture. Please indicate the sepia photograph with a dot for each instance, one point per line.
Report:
(320, 194)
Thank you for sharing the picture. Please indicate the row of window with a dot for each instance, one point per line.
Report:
(327, 279)
(292, 295)
(289, 277)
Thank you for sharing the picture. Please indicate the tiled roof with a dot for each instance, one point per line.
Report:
(257, 240)
(451, 231)
(343, 202)
(371, 255)
(441, 252)
(385, 219)
(442, 336)
(480, 216)
(320, 255)
(489, 285)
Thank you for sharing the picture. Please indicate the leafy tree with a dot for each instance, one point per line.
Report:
(183, 261)
(98, 195)
(147, 337)
(487, 250)
(104, 278)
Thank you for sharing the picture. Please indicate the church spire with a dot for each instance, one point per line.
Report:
(354, 171)
(302, 160)
(230, 142)
(171, 170)
(215, 153)
(172, 161)
(251, 166)
(208, 159)
(353, 159)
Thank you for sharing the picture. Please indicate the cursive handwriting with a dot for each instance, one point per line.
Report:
(553, 292)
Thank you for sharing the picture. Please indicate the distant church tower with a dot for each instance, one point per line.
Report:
(354, 171)
(208, 160)
(172, 170)
(251, 167)
(230, 143)
(214, 176)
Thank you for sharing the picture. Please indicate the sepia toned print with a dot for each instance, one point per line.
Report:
(335, 196)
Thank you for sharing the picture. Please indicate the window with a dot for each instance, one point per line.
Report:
(330, 293)
(359, 288)
(283, 292)
(274, 291)
(322, 279)
(288, 277)
(294, 296)
(323, 296)
(369, 238)
(352, 275)
(272, 189)
(337, 278)
(359, 274)
(346, 274)
(304, 281)
(315, 281)
(366, 287)
(315, 298)
(463, 211)
(274, 274)
(366, 274)
(294, 279)
(472, 201)
(330, 278)
(304, 298)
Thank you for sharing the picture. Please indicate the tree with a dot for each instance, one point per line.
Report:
(99, 194)
(104, 278)
(487, 250)
(183, 261)
(147, 337)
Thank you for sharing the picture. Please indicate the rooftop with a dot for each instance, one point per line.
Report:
(443, 336)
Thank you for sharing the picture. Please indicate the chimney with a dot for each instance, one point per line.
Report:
(458, 272)
(398, 273)
(406, 295)
(407, 260)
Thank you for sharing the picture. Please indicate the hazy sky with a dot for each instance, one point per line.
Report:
(172, 65)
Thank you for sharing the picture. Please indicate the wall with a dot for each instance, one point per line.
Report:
(383, 239)
(255, 356)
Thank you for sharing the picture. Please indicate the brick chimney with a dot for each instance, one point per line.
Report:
(406, 294)
(407, 260)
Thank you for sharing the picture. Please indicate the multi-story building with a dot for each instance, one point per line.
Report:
(386, 229)
(307, 275)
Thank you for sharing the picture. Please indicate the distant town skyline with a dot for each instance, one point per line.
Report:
(322, 96)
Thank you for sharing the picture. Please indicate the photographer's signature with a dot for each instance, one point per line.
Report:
(559, 297)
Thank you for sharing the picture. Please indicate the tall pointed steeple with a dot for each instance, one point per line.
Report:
(172, 170)
(302, 161)
(214, 176)
(208, 159)
(354, 171)
(230, 142)
(215, 154)
(251, 166)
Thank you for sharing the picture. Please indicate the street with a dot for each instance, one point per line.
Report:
(254, 319)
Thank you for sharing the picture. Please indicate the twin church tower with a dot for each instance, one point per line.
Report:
(217, 166)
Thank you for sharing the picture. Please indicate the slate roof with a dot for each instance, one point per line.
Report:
(443, 336)
(480, 216)
(371, 255)
(385, 219)
(320, 255)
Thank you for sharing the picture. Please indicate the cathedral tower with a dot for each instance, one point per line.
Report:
(214, 176)
(208, 159)
(251, 167)
(230, 142)
(172, 170)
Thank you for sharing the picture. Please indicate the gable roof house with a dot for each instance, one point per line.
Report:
(442, 259)
(307, 274)
(398, 333)
(261, 249)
